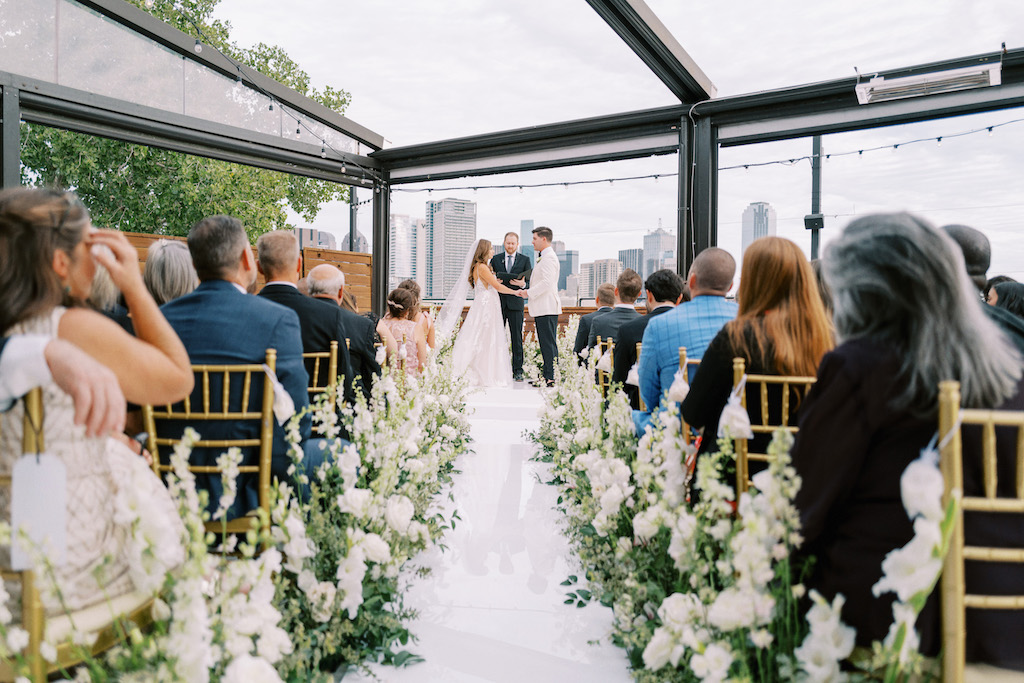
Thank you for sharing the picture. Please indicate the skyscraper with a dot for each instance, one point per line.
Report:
(659, 245)
(362, 244)
(568, 264)
(407, 241)
(606, 270)
(586, 287)
(310, 237)
(451, 233)
(526, 240)
(758, 221)
(632, 258)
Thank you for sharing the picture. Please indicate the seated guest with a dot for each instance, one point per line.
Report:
(977, 253)
(412, 342)
(780, 329)
(421, 317)
(104, 297)
(382, 334)
(49, 251)
(664, 292)
(606, 326)
(692, 324)
(169, 271)
(220, 324)
(280, 261)
(327, 283)
(1010, 297)
(605, 303)
(874, 407)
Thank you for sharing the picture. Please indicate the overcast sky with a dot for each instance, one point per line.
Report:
(421, 71)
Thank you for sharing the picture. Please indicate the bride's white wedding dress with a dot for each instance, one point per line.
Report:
(481, 351)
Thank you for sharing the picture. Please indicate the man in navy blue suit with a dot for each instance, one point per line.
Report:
(219, 323)
(511, 267)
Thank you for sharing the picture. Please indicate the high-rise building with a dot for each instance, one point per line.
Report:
(451, 233)
(632, 258)
(586, 287)
(758, 221)
(659, 245)
(558, 246)
(568, 265)
(407, 241)
(606, 270)
(526, 240)
(362, 244)
(317, 239)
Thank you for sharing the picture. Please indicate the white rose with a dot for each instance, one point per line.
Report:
(249, 669)
(356, 501)
(659, 649)
(398, 513)
(321, 600)
(376, 549)
(714, 664)
(647, 524)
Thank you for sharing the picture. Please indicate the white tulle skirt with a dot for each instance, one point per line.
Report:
(481, 349)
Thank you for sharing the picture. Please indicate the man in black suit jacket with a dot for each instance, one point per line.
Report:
(319, 322)
(627, 289)
(605, 302)
(327, 283)
(664, 292)
(511, 267)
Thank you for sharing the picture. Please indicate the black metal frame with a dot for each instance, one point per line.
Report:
(695, 130)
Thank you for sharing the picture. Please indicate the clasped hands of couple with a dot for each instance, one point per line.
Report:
(522, 293)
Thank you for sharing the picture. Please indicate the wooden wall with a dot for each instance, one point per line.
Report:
(357, 267)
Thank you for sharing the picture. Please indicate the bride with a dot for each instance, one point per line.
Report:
(481, 350)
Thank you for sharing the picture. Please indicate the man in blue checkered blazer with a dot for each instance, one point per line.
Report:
(692, 324)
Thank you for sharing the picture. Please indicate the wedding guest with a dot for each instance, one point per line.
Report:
(421, 317)
(220, 323)
(50, 253)
(279, 260)
(382, 333)
(169, 271)
(780, 329)
(990, 298)
(605, 304)
(327, 283)
(1010, 297)
(874, 407)
(692, 325)
(412, 342)
(664, 291)
(627, 289)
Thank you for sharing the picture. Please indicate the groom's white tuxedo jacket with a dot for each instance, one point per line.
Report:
(544, 286)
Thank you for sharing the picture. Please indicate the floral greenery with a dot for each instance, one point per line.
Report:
(701, 593)
(324, 593)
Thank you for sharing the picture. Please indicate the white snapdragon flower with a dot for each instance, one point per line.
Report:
(904, 616)
(913, 568)
(733, 609)
(921, 488)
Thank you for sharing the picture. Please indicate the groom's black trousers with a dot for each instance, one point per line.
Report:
(515, 327)
(547, 328)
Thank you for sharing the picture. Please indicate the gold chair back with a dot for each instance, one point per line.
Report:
(315, 362)
(209, 411)
(687, 365)
(789, 384)
(604, 377)
(643, 406)
(955, 598)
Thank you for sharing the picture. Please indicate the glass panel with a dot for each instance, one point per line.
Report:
(214, 97)
(106, 58)
(27, 42)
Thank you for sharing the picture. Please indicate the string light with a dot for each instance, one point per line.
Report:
(939, 140)
(323, 151)
(198, 47)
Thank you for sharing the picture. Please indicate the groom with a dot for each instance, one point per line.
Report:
(511, 267)
(544, 305)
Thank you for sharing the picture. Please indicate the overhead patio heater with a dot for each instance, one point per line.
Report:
(880, 89)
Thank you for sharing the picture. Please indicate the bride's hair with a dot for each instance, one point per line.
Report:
(481, 255)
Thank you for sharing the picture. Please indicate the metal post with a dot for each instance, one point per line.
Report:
(684, 226)
(705, 186)
(353, 210)
(381, 246)
(815, 191)
(10, 137)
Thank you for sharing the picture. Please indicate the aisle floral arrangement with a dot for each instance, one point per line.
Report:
(699, 592)
(317, 591)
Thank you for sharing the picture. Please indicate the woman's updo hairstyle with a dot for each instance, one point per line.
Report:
(401, 303)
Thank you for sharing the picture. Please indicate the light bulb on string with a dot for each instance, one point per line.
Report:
(323, 151)
(343, 169)
(990, 131)
(520, 189)
(895, 147)
(939, 140)
(149, 4)
(271, 107)
(298, 128)
(198, 47)
(655, 180)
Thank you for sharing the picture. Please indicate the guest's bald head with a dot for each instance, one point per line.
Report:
(325, 280)
(976, 249)
(712, 272)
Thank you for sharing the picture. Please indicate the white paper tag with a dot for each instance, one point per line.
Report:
(284, 406)
(39, 506)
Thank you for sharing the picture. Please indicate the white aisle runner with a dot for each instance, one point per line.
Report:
(492, 608)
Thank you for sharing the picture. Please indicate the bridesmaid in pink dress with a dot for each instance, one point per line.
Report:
(412, 342)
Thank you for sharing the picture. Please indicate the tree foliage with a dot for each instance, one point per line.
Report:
(145, 189)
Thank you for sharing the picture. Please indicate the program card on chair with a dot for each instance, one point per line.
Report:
(39, 506)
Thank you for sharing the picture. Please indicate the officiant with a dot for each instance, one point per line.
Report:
(512, 269)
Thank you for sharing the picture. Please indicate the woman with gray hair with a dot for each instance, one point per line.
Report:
(169, 271)
(907, 317)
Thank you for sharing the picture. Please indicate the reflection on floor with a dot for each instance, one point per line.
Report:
(492, 608)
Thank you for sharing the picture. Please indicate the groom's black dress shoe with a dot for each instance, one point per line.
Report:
(517, 378)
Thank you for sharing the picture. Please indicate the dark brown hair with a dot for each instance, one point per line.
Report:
(414, 287)
(401, 304)
(34, 223)
(481, 255)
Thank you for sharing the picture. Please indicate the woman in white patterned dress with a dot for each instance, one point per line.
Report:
(122, 529)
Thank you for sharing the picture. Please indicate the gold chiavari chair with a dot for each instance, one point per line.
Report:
(955, 598)
(788, 386)
(687, 365)
(604, 377)
(222, 410)
(643, 406)
(135, 607)
(322, 360)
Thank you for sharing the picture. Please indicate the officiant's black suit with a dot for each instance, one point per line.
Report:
(512, 306)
